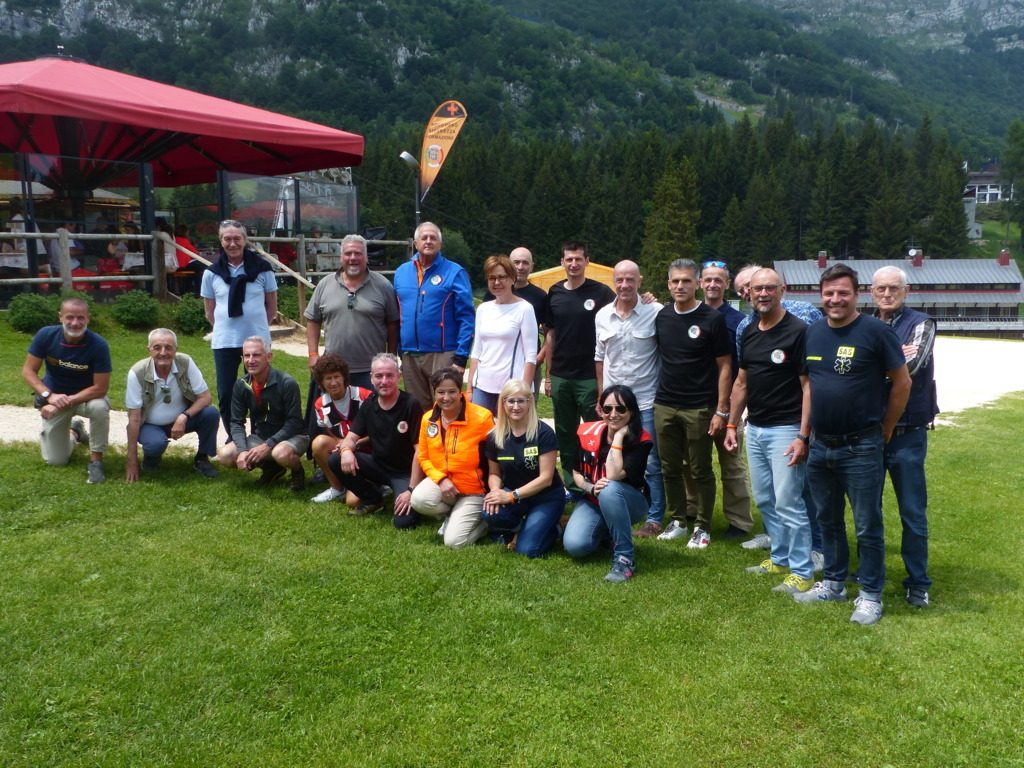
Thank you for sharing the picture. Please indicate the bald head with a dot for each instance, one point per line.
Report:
(626, 279)
(522, 260)
(741, 282)
(766, 291)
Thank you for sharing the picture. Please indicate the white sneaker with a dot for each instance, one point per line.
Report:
(699, 540)
(675, 530)
(443, 528)
(329, 495)
(866, 612)
(761, 541)
(818, 558)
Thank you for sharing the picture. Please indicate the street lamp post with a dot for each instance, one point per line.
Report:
(413, 163)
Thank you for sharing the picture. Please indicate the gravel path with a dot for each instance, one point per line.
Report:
(969, 372)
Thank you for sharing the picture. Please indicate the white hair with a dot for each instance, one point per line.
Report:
(890, 270)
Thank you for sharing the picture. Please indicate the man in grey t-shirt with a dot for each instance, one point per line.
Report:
(357, 310)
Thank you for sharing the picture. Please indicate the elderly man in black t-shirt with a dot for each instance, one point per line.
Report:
(771, 387)
(691, 406)
(569, 344)
(391, 422)
(848, 358)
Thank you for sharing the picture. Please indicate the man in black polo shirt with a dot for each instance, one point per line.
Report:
(848, 357)
(569, 345)
(691, 406)
(390, 422)
(771, 387)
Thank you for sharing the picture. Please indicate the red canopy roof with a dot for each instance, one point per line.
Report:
(58, 106)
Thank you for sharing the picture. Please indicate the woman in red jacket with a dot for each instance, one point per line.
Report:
(451, 455)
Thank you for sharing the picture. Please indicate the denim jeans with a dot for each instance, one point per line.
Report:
(154, 438)
(226, 362)
(778, 493)
(488, 400)
(535, 518)
(620, 507)
(856, 472)
(654, 479)
(904, 460)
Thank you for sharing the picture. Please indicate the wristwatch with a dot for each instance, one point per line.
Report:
(515, 496)
(45, 394)
(806, 438)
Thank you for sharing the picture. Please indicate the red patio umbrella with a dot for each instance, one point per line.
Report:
(57, 106)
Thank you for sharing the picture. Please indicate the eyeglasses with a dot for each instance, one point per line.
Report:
(719, 264)
(881, 289)
(498, 278)
(166, 392)
(517, 400)
(351, 299)
(764, 288)
(619, 409)
(232, 223)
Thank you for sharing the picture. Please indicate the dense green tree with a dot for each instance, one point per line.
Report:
(946, 232)
(770, 222)
(888, 222)
(671, 228)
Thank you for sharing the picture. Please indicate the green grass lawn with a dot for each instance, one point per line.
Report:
(181, 622)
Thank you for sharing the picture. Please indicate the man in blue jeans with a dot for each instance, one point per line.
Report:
(905, 453)
(848, 357)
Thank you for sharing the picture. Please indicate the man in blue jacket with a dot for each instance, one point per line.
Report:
(436, 304)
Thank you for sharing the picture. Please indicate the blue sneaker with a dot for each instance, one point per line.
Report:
(622, 570)
(821, 592)
(866, 612)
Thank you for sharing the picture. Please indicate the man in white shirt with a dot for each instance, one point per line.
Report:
(627, 353)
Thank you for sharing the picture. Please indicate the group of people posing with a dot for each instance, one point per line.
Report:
(643, 396)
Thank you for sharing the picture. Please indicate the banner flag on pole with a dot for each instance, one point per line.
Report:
(444, 126)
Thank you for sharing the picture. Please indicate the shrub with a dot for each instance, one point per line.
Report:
(190, 315)
(288, 302)
(28, 312)
(136, 309)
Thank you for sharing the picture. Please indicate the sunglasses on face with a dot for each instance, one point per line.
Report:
(620, 409)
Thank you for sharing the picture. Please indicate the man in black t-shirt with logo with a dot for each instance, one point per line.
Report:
(772, 388)
(848, 357)
(390, 422)
(569, 345)
(691, 406)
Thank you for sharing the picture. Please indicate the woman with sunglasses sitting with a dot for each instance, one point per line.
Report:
(526, 497)
(612, 462)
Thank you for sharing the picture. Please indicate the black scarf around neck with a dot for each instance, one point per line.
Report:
(252, 267)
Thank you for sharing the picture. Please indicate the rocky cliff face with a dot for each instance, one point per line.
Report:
(926, 22)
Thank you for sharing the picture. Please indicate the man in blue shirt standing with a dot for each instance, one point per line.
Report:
(436, 304)
(77, 378)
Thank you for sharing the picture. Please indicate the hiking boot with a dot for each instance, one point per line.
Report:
(761, 541)
(647, 530)
(331, 494)
(918, 597)
(151, 463)
(202, 465)
(622, 570)
(732, 532)
(675, 530)
(78, 427)
(866, 612)
(298, 481)
(272, 472)
(699, 540)
(318, 478)
(371, 508)
(768, 567)
(793, 585)
(822, 592)
(96, 473)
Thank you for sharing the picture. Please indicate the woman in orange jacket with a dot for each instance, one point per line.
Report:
(452, 439)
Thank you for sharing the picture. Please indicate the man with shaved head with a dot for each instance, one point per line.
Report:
(906, 450)
(627, 353)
